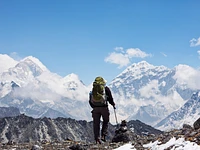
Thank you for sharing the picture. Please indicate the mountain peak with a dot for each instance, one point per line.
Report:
(36, 61)
(28, 67)
(138, 67)
(139, 70)
(143, 63)
(10, 62)
(71, 76)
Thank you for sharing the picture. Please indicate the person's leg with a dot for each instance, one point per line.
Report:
(105, 115)
(96, 123)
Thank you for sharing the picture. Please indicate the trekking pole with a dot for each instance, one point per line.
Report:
(115, 115)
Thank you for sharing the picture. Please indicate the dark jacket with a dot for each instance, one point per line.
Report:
(109, 98)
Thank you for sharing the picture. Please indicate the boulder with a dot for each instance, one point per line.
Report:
(196, 124)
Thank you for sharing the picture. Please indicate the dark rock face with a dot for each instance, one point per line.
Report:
(14, 85)
(9, 112)
(187, 126)
(22, 129)
(197, 124)
(141, 128)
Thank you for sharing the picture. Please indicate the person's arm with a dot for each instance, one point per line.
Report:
(90, 97)
(109, 96)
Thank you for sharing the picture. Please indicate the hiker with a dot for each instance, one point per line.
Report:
(98, 100)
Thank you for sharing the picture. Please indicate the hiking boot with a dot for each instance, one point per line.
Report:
(103, 138)
(98, 141)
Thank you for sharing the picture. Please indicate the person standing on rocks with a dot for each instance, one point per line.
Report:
(99, 98)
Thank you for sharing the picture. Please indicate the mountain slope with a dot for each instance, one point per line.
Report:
(187, 114)
(9, 112)
(6, 62)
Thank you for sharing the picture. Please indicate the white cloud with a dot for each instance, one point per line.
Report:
(118, 58)
(187, 76)
(119, 49)
(123, 58)
(40, 92)
(163, 54)
(195, 42)
(152, 90)
(136, 52)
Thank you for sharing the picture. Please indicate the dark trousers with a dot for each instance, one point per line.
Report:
(97, 113)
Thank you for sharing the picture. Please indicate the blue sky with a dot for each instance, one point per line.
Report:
(91, 38)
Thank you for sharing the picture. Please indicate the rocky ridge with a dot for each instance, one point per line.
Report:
(187, 132)
(24, 129)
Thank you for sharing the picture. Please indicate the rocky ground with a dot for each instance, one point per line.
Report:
(66, 145)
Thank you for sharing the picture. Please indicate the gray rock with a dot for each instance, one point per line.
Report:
(36, 147)
(197, 124)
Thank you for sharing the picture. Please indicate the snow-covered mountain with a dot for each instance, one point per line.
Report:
(6, 62)
(187, 114)
(150, 93)
(23, 72)
(43, 93)
(142, 91)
